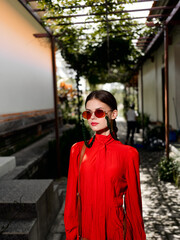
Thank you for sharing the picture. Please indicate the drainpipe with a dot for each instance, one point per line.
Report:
(142, 102)
(55, 106)
(166, 100)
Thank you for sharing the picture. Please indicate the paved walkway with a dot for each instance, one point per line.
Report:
(161, 201)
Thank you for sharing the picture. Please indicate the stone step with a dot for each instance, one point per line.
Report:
(27, 199)
(21, 198)
(19, 230)
(7, 164)
(57, 230)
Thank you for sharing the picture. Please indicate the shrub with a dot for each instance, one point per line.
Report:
(168, 170)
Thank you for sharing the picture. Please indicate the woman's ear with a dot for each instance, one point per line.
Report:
(114, 114)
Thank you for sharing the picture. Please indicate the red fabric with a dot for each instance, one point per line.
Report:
(108, 170)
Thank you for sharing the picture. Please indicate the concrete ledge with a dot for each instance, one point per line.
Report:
(7, 164)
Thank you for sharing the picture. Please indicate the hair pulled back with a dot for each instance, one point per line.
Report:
(107, 98)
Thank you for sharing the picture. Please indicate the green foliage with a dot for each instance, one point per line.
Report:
(168, 170)
(69, 110)
(69, 103)
(101, 51)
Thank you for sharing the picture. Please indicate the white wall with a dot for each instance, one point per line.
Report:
(152, 82)
(25, 62)
(149, 86)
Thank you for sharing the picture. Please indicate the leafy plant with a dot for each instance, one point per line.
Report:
(168, 170)
(101, 48)
(69, 103)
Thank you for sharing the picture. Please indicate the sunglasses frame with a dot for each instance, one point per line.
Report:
(94, 112)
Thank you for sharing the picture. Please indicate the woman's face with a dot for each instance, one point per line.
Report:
(99, 125)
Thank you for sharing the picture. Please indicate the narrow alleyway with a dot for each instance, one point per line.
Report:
(161, 201)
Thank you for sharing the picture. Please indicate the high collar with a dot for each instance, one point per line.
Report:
(103, 139)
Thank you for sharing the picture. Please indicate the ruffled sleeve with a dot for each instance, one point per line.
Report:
(133, 196)
(70, 211)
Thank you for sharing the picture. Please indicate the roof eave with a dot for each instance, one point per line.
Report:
(35, 15)
(159, 35)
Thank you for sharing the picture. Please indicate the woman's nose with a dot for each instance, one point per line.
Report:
(93, 115)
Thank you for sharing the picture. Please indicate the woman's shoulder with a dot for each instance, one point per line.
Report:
(127, 149)
(76, 147)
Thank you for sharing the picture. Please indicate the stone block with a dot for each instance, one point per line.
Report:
(19, 230)
(7, 164)
(27, 199)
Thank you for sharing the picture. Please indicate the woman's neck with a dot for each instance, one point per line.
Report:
(104, 132)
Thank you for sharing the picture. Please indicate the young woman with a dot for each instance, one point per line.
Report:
(109, 180)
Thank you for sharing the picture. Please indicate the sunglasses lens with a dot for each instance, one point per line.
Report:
(99, 113)
(86, 114)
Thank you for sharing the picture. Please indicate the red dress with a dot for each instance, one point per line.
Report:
(108, 170)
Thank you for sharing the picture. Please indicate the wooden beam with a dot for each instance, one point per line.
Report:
(112, 20)
(41, 35)
(109, 13)
(35, 16)
(167, 22)
(97, 5)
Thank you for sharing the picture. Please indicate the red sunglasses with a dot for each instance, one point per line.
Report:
(99, 113)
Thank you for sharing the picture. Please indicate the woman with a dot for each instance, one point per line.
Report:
(109, 180)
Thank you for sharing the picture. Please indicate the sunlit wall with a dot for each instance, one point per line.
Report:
(25, 62)
(153, 83)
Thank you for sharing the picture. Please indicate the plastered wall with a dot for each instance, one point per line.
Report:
(152, 82)
(26, 82)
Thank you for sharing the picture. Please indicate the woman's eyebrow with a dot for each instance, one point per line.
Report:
(95, 108)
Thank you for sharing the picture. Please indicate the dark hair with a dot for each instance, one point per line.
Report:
(132, 106)
(107, 98)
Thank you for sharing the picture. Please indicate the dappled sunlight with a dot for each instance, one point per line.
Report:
(161, 200)
(161, 206)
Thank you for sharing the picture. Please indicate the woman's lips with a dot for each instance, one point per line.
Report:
(94, 123)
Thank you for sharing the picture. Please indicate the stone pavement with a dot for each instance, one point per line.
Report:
(57, 231)
(161, 201)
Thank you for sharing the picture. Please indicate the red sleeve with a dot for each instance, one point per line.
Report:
(133, 196)
(70, 211)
